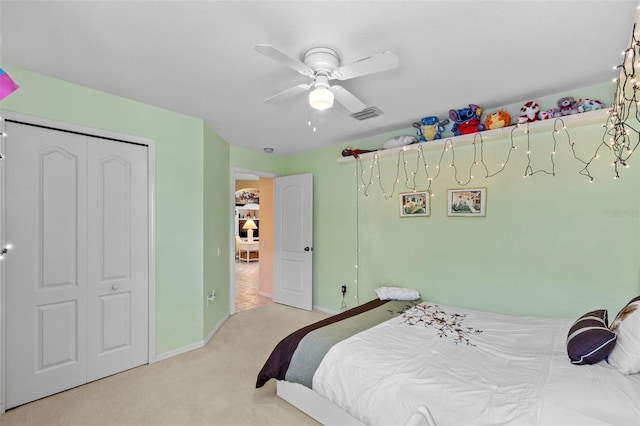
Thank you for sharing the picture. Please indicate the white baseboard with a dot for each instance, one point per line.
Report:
(328, 311)
(193, 346)
(215, 329)
(180, 351)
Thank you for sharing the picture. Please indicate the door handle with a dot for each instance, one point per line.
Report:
(308, 249)
(115, 286)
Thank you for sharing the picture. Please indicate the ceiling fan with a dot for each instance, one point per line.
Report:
(322, 64)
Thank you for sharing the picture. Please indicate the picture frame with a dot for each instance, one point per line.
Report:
(247, 196)
(469, 202)
(413, 204)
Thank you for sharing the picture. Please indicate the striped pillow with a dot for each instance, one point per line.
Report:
(590, 340)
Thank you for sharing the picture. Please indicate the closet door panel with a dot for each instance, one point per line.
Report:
(45, 222)
(118, 257)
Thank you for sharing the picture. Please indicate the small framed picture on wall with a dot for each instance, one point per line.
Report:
(415, 204)
(467, 202)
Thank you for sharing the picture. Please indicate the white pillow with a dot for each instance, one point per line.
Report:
(397, 293)
(398, 141)
(625, 356)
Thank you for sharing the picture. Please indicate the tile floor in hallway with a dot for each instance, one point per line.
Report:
(247, 296)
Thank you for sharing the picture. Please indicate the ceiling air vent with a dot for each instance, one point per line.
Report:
(366, 113)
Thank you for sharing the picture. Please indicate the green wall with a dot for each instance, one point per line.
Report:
(549, 245)
(217, 232)
(256, 161)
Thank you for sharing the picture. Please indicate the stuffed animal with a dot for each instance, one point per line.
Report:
(497, 120)
(549, 114)
(567, 106)
(430, 128)
(466, 120)
(398, 141)
(586, 105)
(528, 112)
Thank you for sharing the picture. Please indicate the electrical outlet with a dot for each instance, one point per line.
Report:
(211, 297)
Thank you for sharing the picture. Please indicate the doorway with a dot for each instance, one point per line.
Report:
(252, 233)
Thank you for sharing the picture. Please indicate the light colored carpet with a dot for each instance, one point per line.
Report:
(214, 385)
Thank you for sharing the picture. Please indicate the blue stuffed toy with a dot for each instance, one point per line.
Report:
(466, 120)
(430, 128)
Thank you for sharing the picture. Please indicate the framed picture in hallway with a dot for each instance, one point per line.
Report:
(467, 202)
(247, 196)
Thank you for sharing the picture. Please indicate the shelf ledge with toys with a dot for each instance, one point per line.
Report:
(575, 120)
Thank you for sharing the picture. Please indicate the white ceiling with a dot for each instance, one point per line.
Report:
(197, 57)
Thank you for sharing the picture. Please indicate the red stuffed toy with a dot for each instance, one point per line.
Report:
(528, 112)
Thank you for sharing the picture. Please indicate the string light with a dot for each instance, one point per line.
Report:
(356, 280)
(528, 171)
(503, 165)
(3, 133)
(620, 137)
(412, 176)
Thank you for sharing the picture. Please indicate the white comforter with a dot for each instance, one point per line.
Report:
(504, 370)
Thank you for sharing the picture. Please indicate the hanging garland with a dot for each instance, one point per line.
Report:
(410, 177)
(620, 137)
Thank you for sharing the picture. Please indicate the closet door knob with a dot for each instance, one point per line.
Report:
(115, 286)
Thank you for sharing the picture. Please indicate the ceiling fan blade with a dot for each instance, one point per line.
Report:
(288, 94)
(373, 64)
(279, 56)
(347, 99)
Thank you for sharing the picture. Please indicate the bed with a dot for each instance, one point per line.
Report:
(385, 362)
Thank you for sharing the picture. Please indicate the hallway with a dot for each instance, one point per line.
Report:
(247, 296)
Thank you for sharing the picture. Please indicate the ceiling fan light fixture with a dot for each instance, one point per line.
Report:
(321, 98)
(323, 64)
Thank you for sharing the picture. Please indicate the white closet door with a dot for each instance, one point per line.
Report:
(118, 257)
(46, 271)
(77, 280)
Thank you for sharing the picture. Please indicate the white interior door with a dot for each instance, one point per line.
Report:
(76, 214)
(293, 241)
(118, 257)
(46, 272)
